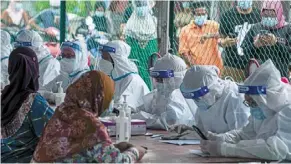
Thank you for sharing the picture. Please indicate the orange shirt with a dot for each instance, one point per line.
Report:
(201, 53)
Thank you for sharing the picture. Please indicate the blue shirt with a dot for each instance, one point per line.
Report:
(46, 18)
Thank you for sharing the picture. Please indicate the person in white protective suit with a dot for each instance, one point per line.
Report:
(49, 67)
(220, 106)
(124, 73)
(166, 106)
(268, 133)
(74, 63)
(6, 49)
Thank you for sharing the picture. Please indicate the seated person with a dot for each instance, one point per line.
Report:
(49, 67)
(267, 135)
(220, 107)
(124, 73)
(76, 135)
(166, 106)
(6, 49)
(24, 113)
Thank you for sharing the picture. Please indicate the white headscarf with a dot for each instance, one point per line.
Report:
(14, 14)
(142, 28)
(122, 65)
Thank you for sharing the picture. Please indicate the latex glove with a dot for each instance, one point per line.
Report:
(142, 151)
(215, 137)
(190, 135)
(211, 147)
(180, 128)
(123, 146)
(227, 42)
(49, 96)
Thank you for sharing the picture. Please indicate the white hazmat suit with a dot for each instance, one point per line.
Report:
(6, 49)
(49, 67)
(268, 133)
(124, 73)
(220, 106)
(166, 106)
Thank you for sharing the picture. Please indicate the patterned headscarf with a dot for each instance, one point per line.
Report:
(75, 126)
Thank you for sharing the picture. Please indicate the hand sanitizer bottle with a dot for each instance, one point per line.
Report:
(60, 96)
(127, 110)
(122, 127)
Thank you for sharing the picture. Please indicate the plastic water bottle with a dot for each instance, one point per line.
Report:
(122, 127)
(60, 96)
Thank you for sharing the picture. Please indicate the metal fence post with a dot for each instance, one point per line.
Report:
(63, 22)
(171, 25)
(163, 26)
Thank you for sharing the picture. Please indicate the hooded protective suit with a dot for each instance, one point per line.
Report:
(6, 49)
(220, 106)
(125, 75)
(267, 135)
(49, 67)
(166, 106)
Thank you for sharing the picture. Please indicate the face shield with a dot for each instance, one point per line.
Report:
(69, 51)
(164, 81)
(105, 65)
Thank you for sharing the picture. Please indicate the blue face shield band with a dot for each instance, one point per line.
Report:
(252, 90)
(194, 94)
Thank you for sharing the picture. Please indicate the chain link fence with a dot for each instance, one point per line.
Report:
(98, 21)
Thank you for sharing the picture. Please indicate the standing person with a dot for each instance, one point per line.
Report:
(183, 18)
(234, 25)
(49, 67)
(198, 41)
(124, 73)
(166, 105)
(271, 38)
(76, 135)
(99, 18)
(15, 15)
(267, 135)
(24, 113)
(141, 35)
(6, 49)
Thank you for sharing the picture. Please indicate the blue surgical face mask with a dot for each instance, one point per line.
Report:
(269, 21)
(99, 13)
(257, 113)
(142, 11)
(200, 20)
(18, 6)
(247, 4)
(202, 105)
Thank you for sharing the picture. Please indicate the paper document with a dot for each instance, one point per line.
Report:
(199, 153)
(181, 142)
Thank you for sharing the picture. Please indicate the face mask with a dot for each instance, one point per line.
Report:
(186, 5)
(108, 111)
(257, 113)
(18, 6)
(200, 20)
(202, 105)
(142, 11)
(105, 66)
(244, 4)
(269, 21)
(67, 65)
(99, 13)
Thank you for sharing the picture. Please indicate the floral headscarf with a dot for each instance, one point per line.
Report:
(74, 126)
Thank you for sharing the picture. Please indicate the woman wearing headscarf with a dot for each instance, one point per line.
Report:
(24, 112)
(75, 134)
(6, 49)
(271, 38)
(124, 73)
(141, 35)
(15, 15)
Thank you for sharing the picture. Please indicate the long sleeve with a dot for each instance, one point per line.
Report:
(40, 114)
(183, 44)
(103, 153)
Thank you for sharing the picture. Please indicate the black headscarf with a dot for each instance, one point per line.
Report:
(23, 76)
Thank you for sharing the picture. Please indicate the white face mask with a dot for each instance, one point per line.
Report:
(269, 21)
(99, 13)
(18, 6)
(105, 66)
(67, 65)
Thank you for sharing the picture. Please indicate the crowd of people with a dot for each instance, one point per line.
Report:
(248, 119)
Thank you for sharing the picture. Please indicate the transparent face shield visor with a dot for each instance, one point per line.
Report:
(251, 91)
(75, 47)
(162, 80)
(104, 66)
